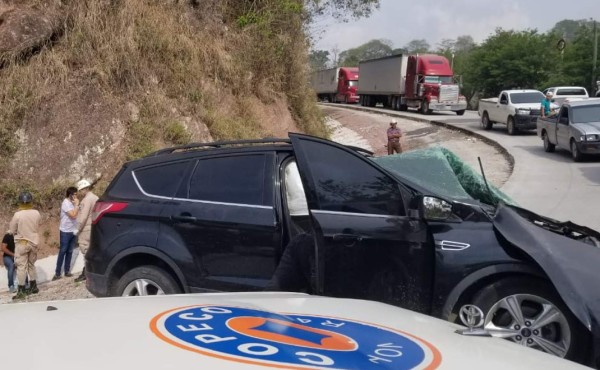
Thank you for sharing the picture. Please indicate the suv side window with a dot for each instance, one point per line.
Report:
(161, 180)
(345, 183)
(563, 117)
(244, 179)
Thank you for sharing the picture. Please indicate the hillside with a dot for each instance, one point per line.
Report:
(88, 84)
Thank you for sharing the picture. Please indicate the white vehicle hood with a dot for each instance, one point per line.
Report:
(528, 106)
(245, 331)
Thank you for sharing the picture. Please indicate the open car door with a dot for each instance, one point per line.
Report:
(366, 245)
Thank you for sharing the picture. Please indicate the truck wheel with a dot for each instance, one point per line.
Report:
(486, 124)
(575, 153)
(460, 112)
(510, 125)
(146, 280)
(425, 107)
(548, 146)
(530, 312)
(403, 107)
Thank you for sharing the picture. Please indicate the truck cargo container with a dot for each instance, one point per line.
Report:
(425, 82)
(336, 84)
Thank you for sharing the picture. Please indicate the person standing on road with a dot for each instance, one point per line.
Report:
(24, 226)
(8, 249)
(84, 219)
(68, 227)
(393, 135)
(546, 109)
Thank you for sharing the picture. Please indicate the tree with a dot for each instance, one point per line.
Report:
(318, 59)
(341, 9)
(464, 43)
(417, 46)
(511, 59)
(371, 50)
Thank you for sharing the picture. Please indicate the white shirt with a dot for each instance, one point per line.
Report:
(296, 199)
(67, 224)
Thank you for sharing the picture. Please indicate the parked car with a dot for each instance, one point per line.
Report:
(249, 331)
(517, 109)
(563, 93)
(575, 128)
(217, 217)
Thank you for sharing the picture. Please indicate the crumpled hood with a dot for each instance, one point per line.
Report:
(571, 265)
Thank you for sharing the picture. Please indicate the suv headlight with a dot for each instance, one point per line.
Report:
(524, 112)
(593, 137)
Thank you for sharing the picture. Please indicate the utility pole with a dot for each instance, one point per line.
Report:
(595, 59)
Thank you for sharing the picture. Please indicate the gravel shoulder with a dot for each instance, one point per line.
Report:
(356, 128)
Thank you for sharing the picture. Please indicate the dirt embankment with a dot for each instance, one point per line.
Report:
(86, 85)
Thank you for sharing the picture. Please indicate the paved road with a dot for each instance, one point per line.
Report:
(550, 184)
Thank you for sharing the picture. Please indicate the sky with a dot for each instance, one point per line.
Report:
(401, 21)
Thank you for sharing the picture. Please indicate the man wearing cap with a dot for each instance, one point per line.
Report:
(84, 218)
(546, 109)
(393, 136)
(24, 226)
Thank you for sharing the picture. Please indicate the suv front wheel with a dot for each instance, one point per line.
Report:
(145, 280)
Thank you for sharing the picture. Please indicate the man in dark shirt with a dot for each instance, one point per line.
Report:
(8, 249)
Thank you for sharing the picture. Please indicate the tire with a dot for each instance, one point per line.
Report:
(528, 299)
(548, 146)
(575, 153)
(486, 124)
(425, 107)
(510, 126)
(460, 112)
(146, 280)
(403, 107)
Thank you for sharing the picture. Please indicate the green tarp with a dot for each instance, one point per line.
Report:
(444, 173)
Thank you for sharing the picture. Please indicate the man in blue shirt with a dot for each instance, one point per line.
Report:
(546, 110)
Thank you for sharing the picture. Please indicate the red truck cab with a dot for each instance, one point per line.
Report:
(347, 85)
(430, 80)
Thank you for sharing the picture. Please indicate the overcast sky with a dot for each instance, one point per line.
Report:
(401, 21)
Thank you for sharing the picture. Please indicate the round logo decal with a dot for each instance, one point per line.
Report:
(290, 340)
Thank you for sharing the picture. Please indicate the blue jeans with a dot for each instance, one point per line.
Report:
(67, 244)
(9, 263)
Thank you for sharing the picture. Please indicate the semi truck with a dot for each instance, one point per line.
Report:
(425, 82)
(336, 84)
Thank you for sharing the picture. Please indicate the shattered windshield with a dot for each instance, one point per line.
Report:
(444, 173)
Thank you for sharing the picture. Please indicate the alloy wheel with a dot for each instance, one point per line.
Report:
(141, 287)
(531, 321)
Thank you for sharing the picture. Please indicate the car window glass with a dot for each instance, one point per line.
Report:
(564, 116)
(161, 180)
(571, 91)
(586, 114)
(346, 183)
(527, 97)
(504, 99)
(236, 179)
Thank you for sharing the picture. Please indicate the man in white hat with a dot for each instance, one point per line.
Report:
(84, 218)
(546, 109)
(393, 136)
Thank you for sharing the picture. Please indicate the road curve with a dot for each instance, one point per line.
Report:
(550, 184)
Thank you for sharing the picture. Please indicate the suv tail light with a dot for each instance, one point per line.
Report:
(102, 208)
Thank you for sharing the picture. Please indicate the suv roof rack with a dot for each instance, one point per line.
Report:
(217, 144)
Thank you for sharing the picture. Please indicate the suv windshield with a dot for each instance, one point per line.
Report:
(588, 113)
(438, 79)
(529, 97)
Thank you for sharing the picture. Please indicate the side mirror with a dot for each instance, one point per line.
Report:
(435, 209)
(552, 100)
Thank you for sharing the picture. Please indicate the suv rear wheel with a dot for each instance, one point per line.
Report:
(529, 312)
(146, 280)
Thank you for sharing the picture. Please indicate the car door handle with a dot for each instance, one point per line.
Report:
(184, 218)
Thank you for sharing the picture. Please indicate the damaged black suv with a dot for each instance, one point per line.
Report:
(217, 217)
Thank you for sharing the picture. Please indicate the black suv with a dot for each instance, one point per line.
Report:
(217, 217)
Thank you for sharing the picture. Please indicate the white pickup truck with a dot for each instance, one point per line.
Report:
(517, 109)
